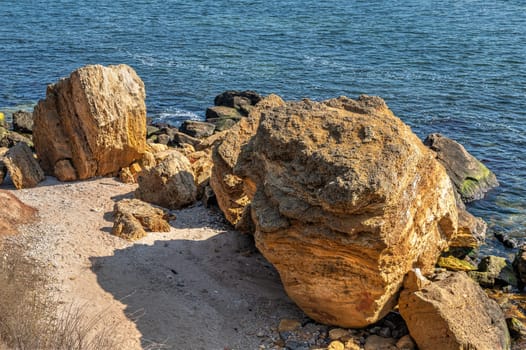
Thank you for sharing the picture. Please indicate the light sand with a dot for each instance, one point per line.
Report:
(199, 286)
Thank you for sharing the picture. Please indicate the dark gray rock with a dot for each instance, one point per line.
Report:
(23, 122)
(197, 129)
(471, 178)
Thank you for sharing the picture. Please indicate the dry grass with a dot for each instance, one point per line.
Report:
(30, 318)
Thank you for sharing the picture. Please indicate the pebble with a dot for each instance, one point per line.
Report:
(337, 333)
(375, 342)
(336, 345)
(406, 343)
(288, 325)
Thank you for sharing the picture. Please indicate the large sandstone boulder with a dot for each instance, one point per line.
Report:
(451, 314)
(13, 212)
(170, 183)
(346, 200)
(471, 178)
(229, 188)
(92, 123)
(22, 166)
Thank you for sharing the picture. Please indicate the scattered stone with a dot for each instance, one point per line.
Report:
(287, 325)
(406, 343)
(336, 345)
(95, 120)
(23, 122)
(454, 264)
(13, 212)
(11, 138)
(169, 184)
(455, 306)
(494, 271)
(471, 178)
(202, 167)
(356, 215)
(338, 333)
(133, 217)
(506, 240)
(22, 166)
(197, 129)
(375, 342)
(3, 121)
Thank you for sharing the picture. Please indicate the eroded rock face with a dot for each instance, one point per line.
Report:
(134, 217)
(229, 188)
(13, 212)
(22, 166)
(95, 120)
(451, 314)
(346, 200)
(472, 179)
(170, 183)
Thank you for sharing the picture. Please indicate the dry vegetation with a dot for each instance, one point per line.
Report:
(30, 318)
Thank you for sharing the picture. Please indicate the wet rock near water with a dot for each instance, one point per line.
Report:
(230, 107)
(197, 129)
(23, 122)
(472, 179)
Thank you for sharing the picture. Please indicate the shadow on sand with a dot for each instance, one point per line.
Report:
(210, 289)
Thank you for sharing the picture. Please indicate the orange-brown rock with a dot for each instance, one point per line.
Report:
(229, 189)
(452, 313)
(133, 217)
(13, 212)
(170, 183)
(22, 166)
(346, 200)
(92, 123)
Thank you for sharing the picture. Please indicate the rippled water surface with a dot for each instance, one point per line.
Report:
(456, 67)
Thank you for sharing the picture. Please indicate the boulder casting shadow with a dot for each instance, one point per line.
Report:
(214, 293)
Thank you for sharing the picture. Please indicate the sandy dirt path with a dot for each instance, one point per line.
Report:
(199, 286)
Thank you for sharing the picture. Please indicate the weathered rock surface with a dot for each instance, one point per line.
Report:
(471, 230)
(471, 178)
(229, 188)
(133, 217)
(170, 183)
(95, 120)
(13, 212)
(494, 271)
(346, 200)
(23, 122)
(197, 129)
(453, 313)
(22, 166)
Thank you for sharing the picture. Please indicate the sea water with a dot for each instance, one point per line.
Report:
(454, 67)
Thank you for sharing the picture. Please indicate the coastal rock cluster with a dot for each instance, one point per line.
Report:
(340, 196)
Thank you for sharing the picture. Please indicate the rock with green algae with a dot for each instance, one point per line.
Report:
(471, 178)
(455, 264)
(494, 271)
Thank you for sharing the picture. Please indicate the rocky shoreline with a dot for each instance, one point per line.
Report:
(365, 224)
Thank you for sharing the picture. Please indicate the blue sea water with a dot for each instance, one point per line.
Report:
(454, 66)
